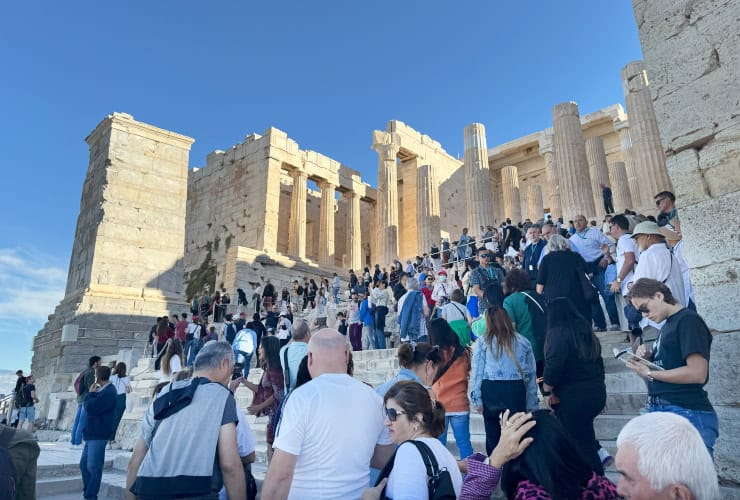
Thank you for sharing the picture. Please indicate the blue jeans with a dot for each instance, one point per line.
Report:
(461, 430)
(335, 294)
(247, 361)
(706, 422)
(91, 467)
(191, 350)
(599, 282)
(379, 339)
(79, 424)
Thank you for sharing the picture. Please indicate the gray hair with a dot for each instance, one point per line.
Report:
(671, 451)
(213, 353)
(557, 244)
(412, 284)
(299, 329)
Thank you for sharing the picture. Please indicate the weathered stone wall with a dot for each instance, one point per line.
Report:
(692, 53)
(126, 264)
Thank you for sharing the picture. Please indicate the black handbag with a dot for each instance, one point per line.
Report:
(439, 481)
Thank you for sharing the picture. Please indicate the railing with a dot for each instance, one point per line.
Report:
(6, 407)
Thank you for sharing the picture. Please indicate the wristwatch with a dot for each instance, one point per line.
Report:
(650, 376)
(619, 280)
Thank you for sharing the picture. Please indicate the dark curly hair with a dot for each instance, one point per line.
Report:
(517, 280)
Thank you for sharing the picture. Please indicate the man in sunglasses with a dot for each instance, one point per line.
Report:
(665, 203)
(485, 275)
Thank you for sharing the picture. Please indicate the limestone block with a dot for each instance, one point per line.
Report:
(717, 291)
(726, 457)
(724, 370)
(70, 332)
(700, 220)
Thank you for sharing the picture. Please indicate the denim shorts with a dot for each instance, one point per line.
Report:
(706, 422)
(27, 413)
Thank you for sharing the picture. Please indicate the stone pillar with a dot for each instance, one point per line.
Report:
(478, 188)
(535, 208)
(326, 225)
(622, 128)
(427, 208)
(576, 195)
(387, 209)
(297, 231)
(620, 187)
(647, 150)
(597, 170)
(547, 153)
(512, 201)
(354, 230)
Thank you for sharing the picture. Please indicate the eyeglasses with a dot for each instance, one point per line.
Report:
(393, 414)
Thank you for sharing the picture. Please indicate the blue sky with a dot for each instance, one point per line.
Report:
(326, 72)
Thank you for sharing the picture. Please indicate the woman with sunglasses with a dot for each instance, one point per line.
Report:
(504, 373)
(412, 415)
(419, 363)
(682, 350)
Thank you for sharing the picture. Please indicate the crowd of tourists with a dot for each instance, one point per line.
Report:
(502, 324)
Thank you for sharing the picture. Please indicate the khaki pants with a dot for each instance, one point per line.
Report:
(367, 336)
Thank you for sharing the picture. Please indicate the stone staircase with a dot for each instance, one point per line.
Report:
(626, 396)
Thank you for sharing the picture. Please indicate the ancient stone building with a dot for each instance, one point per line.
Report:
(692, 58)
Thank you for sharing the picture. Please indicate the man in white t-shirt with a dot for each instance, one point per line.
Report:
(332, 430)
(656, 262)
(627, 256)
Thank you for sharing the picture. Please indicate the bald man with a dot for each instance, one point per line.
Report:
(332, 430)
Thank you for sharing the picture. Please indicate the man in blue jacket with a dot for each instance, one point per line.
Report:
(100, 404)
(366, 316)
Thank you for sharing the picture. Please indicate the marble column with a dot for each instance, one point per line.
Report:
(297, 230)
(354, 231)
(547, 153)
(597, 170)
(620, 187)
(387, 208)
(512, 201)
(478, 188)
(576, 195)
(647, 149)
(326, 225)
(428, 226)
(621, 127)
(535, 207)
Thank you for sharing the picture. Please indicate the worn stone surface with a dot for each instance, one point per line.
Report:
(427, 208)
(621, 126)
(597, 169)
(692, 52)
(512, 201)
(546, 151)
(477, 177)
(620, 187)
(576, 194)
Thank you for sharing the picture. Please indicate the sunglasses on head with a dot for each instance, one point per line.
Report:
(393, 414)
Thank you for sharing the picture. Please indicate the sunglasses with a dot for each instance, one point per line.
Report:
(643, 309)
(659, 201)
(393, 414)
(485, 256)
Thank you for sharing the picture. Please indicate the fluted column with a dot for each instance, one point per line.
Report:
(547, 153)
(535, 207)
(387, 211)
(354, 232)
(478, 188)
(620, 187)
(427, 208)
(297, 232)
(512, 200)
(597, 170)
(622, 128)
(647, 149)
(326, 225)
(574, 183)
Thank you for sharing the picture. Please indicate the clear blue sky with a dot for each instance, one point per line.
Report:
(326, 72)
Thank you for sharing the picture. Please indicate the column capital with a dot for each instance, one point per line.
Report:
(386, 144)
(326, 184)
(546, 142)
(621, 124)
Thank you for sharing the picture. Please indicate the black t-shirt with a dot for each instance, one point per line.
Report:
(683, 334)
(27, 389)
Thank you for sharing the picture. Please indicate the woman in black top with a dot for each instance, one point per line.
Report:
(574, 373)
(682, 350)
(559, 275)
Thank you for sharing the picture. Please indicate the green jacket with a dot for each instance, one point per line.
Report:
(24, 452)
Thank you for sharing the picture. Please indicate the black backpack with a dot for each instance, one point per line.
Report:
(20, 397)
(538, 313)
(8, 473)
(230, 333)
(439, 481)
